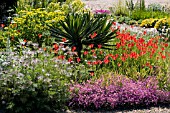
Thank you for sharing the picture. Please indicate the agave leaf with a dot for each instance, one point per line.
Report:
(77, 28)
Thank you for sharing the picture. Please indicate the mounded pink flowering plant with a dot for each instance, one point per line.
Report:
(117, 91)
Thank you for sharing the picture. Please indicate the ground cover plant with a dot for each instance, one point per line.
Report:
(83, 59)
(31, 82)
(162, 25)
(112, 91)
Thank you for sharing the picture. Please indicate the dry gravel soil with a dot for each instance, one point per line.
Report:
(105, 4)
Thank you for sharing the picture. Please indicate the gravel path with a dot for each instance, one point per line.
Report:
(158, 109)
(105, 4)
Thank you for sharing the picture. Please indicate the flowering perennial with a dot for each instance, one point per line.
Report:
(118, 91)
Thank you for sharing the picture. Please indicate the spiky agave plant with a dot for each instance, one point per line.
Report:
(77, 28)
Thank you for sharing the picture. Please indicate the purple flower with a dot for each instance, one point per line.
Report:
(119, 91)
(101, 11)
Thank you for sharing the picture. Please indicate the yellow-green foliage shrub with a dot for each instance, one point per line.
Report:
(148, 23)
(119, 8)
(160, 23)
(2, 40)
(68, 6)
(32, 24)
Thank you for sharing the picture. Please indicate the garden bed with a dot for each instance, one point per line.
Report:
(61, 57)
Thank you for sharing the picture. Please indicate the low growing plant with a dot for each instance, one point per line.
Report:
(113, 91)
(31, 84)
(149, 23)
(144, 14)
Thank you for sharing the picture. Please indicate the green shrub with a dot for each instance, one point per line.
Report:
(3, 40)
(79, 30)
(67, 7)
(32, 85)
(140, 5)
(119, 9)
(31, 24)
(141, 14)
(124, 20)
(22, 4)
(155, 7)
(130, 4)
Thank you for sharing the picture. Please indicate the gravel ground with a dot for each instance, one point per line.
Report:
(105, 4)
(158, 109)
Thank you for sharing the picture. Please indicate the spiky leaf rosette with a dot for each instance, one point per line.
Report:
(78, 29)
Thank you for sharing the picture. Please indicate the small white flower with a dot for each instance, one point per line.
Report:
(43, 70)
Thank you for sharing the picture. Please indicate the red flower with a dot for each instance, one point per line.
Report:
(93, 35)
(99, 46)
(147, 64)
(25, 40)
(91, 73)
(114, 57)
(141, 40)
(107, 56)
(94, 55)
(91, 45)
(78, 60)
(2, 25)
(118, 64)
(106, 61)
(123, 58)
(150, 67)
(101, 52)
(70, 59)
(89, 63)
(55, 46)
(114, 23)
(163, 56)
(133, 55)
(144, 32)
(73, 48)
(61, 57)
(92, 50)
(39, 35)
(166, 44)
(118, 45)
(163, 48)
(142, 53)
(95, 63)
(131, 45)
(112, 29)
(64, 39)
(99, 61)
(85, 52)
(45, 49)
